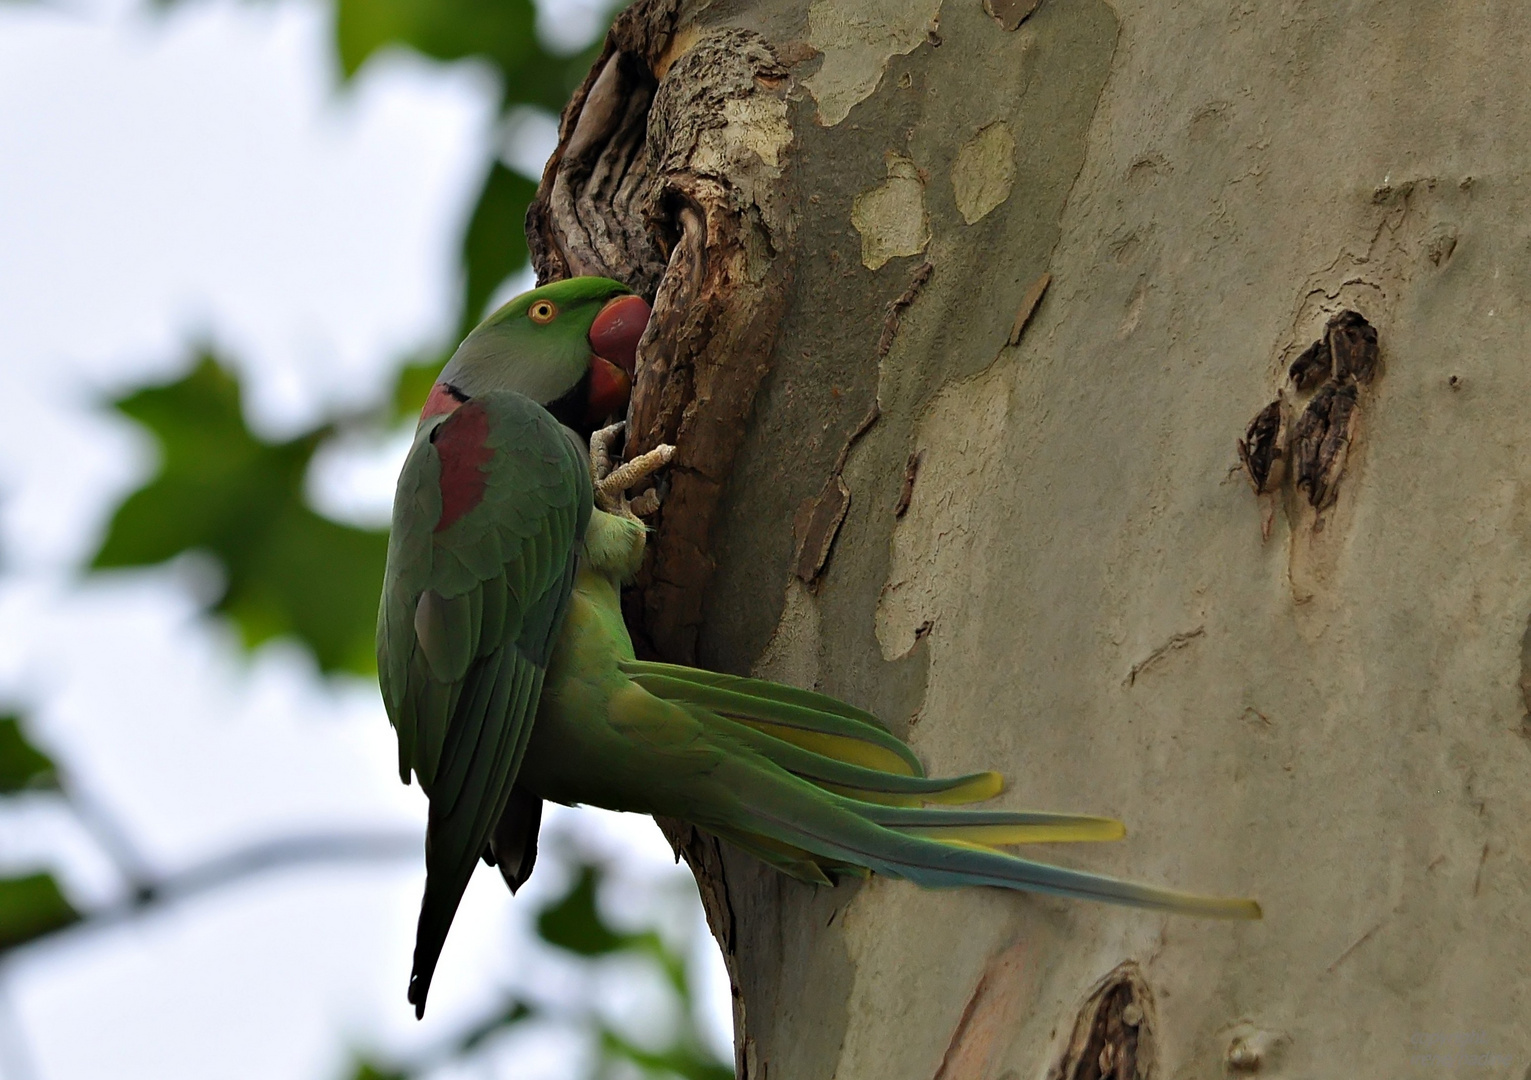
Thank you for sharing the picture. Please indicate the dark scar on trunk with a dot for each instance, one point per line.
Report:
(1335, 368)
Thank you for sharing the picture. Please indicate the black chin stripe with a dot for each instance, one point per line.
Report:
(573, 409)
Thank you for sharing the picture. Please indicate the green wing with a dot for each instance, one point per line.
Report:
(490, 510)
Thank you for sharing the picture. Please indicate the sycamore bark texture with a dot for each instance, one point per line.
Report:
(1049, 563)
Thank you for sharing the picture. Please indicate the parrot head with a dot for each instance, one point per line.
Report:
(570, 346)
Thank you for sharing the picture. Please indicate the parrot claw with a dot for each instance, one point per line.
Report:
(612, 484)
(611, 491)
(600, 451)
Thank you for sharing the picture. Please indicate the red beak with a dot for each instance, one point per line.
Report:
(614, 337)
(617, 329)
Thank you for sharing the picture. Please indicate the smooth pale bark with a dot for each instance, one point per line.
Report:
(1077, 591)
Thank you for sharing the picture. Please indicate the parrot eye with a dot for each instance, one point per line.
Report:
(542, 312)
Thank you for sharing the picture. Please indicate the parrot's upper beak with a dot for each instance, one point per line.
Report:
(614, 337)
(616, 330)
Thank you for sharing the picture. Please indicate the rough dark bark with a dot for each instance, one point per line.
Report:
(671, 176)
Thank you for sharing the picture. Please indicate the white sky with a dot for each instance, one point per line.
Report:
(166, 179)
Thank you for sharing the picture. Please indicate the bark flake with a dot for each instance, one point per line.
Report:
(1311, 367)
(906, 493)
(1029, 304)
(1263, 448)
(1011, 13)
(817, 522)
(1321, 441)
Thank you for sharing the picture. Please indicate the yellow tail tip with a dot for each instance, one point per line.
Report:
(977, 788)
(990, 837)
(1229, 909)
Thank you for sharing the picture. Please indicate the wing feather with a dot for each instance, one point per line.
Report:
(492, 615)
(470, 615)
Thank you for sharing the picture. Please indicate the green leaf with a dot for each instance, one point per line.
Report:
(223, 491)
(494, 246)
(513, 1013)
(574, 923)
(414, 384)
(547, 80)
(30, 907)
(503, 31)
(366, 1070)
(22, 765)
(679, 1059)
(458, 1048)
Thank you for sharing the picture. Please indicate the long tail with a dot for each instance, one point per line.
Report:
(825, 790)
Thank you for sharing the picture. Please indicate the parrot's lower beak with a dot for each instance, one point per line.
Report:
(614, 337)
(609, 390)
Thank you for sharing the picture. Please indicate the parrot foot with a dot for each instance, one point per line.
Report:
(600, 451)
(611, 485)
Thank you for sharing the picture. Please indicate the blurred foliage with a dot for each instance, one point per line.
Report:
(368, 1071)
(22, 765)
(574, 925)
(678, 1060)
(222, 490)
(503, 34)
(414, 384)
(31, 906)
(495, 244)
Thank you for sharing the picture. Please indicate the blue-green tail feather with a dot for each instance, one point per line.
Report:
(817, 789)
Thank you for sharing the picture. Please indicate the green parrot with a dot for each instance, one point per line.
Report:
(509, 676)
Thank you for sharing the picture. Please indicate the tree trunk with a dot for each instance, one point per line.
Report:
(1013, 518)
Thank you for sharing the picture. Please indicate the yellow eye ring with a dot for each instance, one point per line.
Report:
(542, 312)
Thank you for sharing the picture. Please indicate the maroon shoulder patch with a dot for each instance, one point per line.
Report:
(460, 443)
(441, 400)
